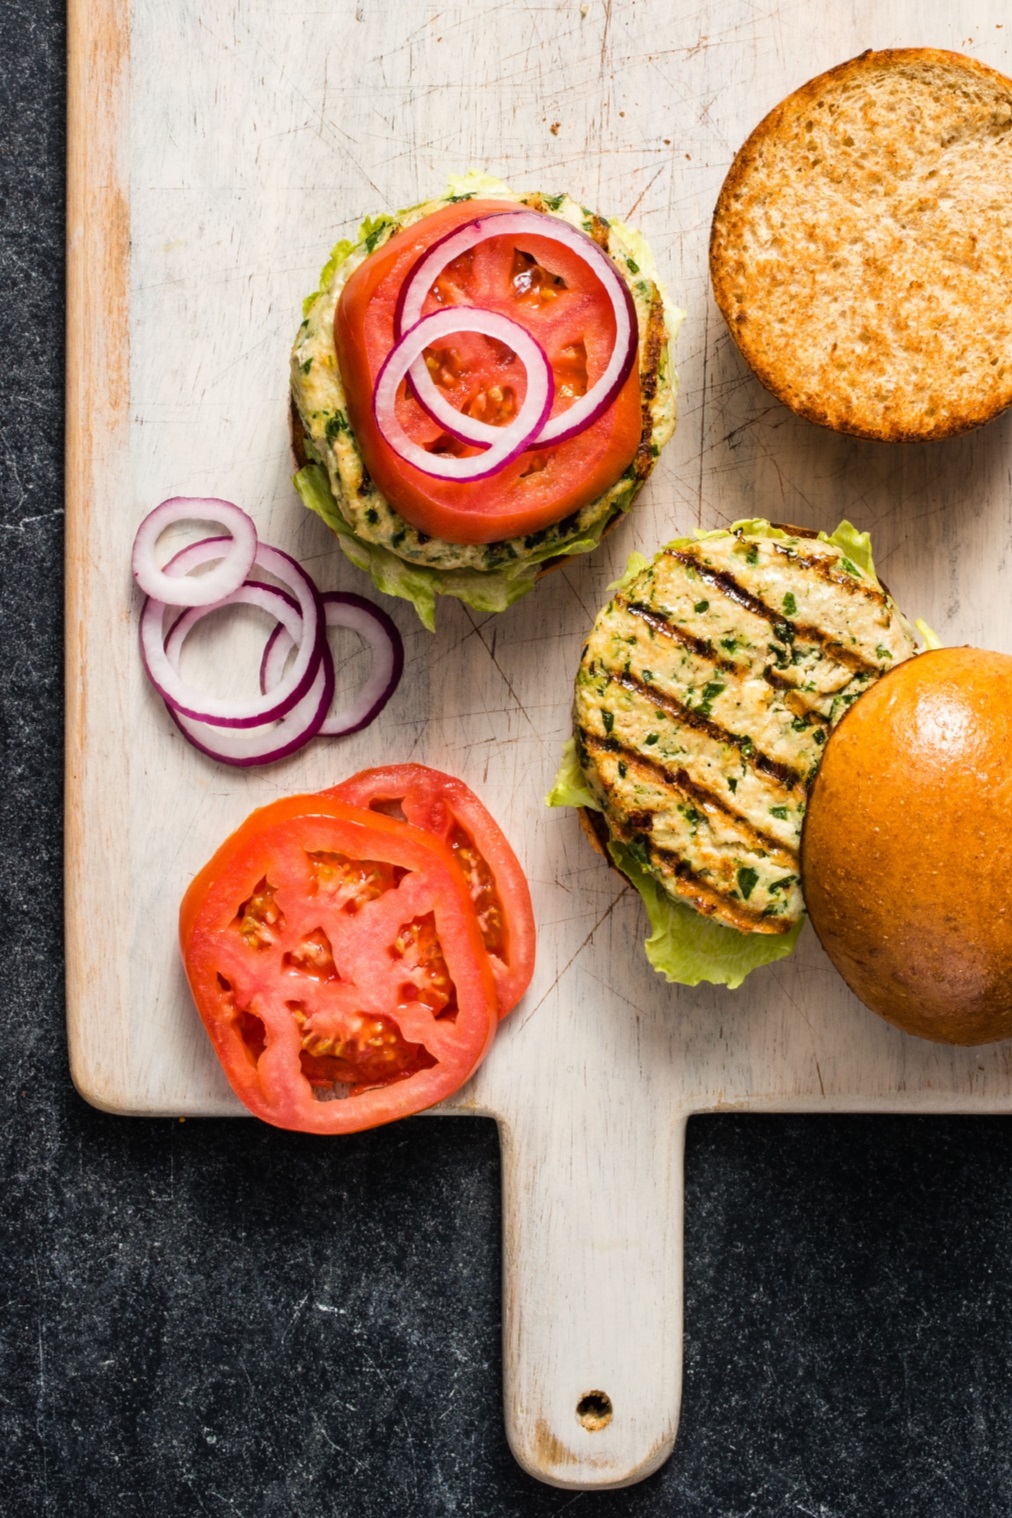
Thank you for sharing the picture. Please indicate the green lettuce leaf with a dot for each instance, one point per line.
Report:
(340, 251)
(370, 233)
(928, 634)
(855, 545)
(570, 788)
(684, 947)
(485, 590)
(634, 565)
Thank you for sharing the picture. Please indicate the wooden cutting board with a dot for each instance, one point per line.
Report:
(217, 151)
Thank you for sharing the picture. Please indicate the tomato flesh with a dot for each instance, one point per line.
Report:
(552, 292)
(445, 807)
(337, 964)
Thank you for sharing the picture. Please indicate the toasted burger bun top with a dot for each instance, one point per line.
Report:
(905, 852)
(861, 248)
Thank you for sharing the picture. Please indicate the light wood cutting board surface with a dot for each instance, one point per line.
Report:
(217, 151)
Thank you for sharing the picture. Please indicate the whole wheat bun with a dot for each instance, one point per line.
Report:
(906, 852)
(861, 247)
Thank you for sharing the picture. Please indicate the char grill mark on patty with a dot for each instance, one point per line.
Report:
(826, 569)
(783, 774)
(600, 231)
(700, 795)
(706, 899)
(726, 583)
(701, 646)
(688, 881)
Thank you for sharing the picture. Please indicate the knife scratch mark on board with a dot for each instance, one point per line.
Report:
(392, 52)
(799, 1009)
(490, 650)
(604, 36)
(566, 576)
(633, 208)
(530, 1012)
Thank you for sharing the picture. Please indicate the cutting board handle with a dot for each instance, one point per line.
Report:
(592, 1292)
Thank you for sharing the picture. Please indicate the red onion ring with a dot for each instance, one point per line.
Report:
(377, 630)
(292, 707)
(235, 565)
(507, 441)
(179, 695)
(584, 411)
(270, 741)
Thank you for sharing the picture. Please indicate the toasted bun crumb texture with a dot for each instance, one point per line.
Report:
(906, 854)
(861, 248)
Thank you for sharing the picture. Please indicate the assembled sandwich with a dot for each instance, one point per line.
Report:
(705, 694)
(480, 387)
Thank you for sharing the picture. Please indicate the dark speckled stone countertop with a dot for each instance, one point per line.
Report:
(213, 1318)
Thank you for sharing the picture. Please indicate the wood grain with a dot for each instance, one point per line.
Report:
(97, 471)
(213, 163)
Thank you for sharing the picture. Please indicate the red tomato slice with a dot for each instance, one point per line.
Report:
(336, 962)
(562, 303)
(445, 807)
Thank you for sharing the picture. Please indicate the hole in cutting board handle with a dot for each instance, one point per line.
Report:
(594, 1410)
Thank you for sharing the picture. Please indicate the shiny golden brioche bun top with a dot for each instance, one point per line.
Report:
(906, 853)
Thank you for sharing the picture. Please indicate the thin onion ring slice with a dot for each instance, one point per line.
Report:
(271, 741)
(377, 631)
(164, 584)
(587, 408)
(222, 712)
(509, 440)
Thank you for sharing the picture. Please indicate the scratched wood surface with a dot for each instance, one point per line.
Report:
(216, 153)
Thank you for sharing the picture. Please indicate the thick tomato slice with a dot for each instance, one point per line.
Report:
(562, 303)
(336, 962)
(444, 806)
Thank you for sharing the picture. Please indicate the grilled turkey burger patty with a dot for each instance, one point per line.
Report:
(704, 696)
